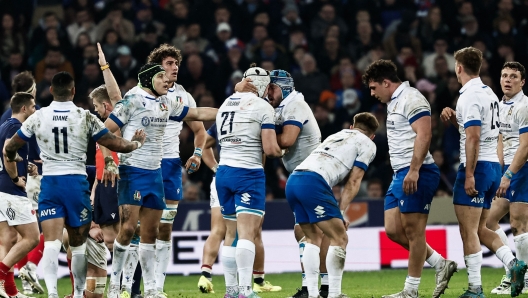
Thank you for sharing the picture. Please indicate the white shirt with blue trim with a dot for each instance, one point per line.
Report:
(406, 106)
(140, 110)
(338, 154)
(479, 106)
(513, 123)
(63, 131)
(171, 138)
(295, 111)
(239, 122)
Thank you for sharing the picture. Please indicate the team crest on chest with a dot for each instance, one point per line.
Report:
(179, 99)
(510, 111)
(395, 106)
(163, 107)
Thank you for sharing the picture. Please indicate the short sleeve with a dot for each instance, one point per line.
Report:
(471, 114)
(97, 127)
(28, 127)
(521, 118)
(295, 115)
(12, 130)
(266, 117)
(212, 131)
(192, 102)
(123, 110)
(178, 111)
(366, 154)
(416, 107)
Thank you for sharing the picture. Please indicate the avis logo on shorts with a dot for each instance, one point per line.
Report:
(47, 212)
(477, 200)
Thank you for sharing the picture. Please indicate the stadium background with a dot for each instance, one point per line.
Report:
(325, 45)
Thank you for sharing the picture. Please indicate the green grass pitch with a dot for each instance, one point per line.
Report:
(355, 284)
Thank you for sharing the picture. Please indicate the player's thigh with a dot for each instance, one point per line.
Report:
(96, 256)
(226, 197)
(106, 208)
(218, 227)
(334, 229)
(311, 233)
(8, 235)
(468, 219)
(53, 229)
(499, 208)
(248, 225)
(149, 219)
(519, 217)
(77, 235)
(17, 210)
(420, 201)
(172, 179)
(295, 188)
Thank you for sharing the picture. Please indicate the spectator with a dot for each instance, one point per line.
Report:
(191, 192)
(49, 20)
(111, 42)
(269, 51)
(432, 28)
(330, 55)
(193, 33)
(440, 49)
(114, 20)
(54, 58)
(92, 77)
(471, 33)
(124, 66)
(260, 33)
(11, 38)
(326, 17)
(148, 41)
(290, 21)
(193, 72)
(83, 24)
(44, 97)
(374, 189)
(51, 41)
(322, 116)
(14, 66)
(179, 16)
(218, 42)
(310, 81)
(375, 53)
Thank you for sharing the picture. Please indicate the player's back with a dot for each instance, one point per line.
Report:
(239, 122)
(63, 131)
(338, 154)
(7, 130)
(478, 105)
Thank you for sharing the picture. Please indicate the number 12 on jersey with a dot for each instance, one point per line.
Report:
(226, 115)
(64, 132)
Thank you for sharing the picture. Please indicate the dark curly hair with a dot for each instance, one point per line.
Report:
(381, 70)
(165, 50)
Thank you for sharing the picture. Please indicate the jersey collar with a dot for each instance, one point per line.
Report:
(474, 81)
(62, 104)
(516, 97)
(399, 90)
(146, 95)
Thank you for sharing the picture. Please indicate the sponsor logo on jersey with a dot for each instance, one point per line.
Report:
(163, 106)
(145, 121)
(47, 212)
(233, 103)
(137, 196)
(231, 140)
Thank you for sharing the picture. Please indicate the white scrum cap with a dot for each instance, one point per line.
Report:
(260, 78)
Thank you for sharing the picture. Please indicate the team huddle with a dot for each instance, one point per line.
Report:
(138, 185)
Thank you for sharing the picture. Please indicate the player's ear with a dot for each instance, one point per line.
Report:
(73, 91)
(351, 126)
(522, 82)
(51, 90)
(372, 136)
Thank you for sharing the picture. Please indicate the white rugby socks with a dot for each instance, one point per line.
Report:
(163, 250)
(130, 267)
(147, 253)
(311, 264)
(230, 268)
(245, 258)
(505, 241)
(78, 266)
(335, 264)
(436, 261)
(50, 265)
(473, 264)
(118, 262)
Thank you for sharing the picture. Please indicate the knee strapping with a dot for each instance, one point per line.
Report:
(169, 213)
(55, 244)
(96, 285)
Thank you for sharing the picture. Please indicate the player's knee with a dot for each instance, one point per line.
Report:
(96, 285)
(127, 230)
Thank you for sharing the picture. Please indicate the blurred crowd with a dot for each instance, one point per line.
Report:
(324, 44)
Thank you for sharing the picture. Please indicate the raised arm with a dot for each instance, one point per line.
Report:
(111, 85)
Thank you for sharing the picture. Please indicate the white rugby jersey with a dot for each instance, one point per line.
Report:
(479, 106)
(239, 122)
(171, 138)
(338, 154)
(406, 106)
(513, 122)
(63, 131)
(295, 111)
(140, 110)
